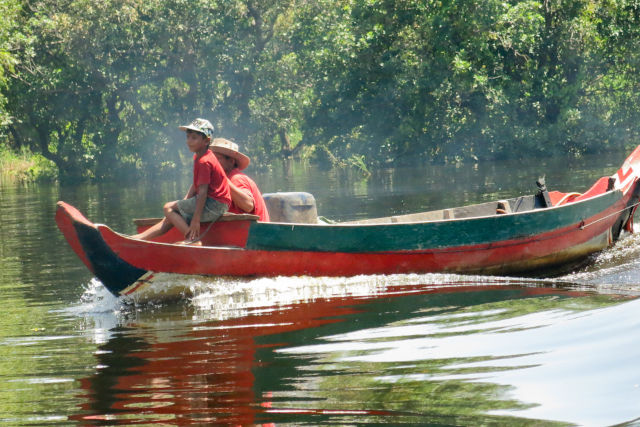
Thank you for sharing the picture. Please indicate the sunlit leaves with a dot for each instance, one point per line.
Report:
(9, 40)
(373, 80)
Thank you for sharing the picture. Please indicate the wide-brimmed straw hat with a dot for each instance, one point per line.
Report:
(199, 125)
(228, 148)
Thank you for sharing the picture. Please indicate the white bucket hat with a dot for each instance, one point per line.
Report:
(199, 125)
(228, 148)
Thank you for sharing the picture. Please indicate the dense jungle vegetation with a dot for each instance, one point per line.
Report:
(99, 87)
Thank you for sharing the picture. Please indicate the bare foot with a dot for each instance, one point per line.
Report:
(190, 242)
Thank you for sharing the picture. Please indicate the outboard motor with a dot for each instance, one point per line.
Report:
(542, 199)
(294, 207)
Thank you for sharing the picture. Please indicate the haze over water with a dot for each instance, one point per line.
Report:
(423, 349)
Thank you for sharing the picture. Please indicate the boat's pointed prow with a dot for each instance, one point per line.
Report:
(87, 242)
(66, 217)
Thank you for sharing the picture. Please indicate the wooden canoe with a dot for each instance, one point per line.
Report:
(536, 235)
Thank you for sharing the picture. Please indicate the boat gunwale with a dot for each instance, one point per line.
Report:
(514, 241)
(446, 220)
(547, 235)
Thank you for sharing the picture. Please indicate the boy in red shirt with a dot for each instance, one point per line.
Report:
(245, 194)
(208, 198)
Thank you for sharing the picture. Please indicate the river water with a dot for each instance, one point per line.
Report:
(421, 349)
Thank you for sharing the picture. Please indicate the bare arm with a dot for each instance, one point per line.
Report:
(201, 200)
(243, 199)
(191, 192)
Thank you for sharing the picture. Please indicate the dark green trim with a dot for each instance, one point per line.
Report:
(426, 235)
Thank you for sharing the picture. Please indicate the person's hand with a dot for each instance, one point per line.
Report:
(194, 230)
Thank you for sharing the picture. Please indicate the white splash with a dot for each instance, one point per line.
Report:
(616, 269)
(99, 311)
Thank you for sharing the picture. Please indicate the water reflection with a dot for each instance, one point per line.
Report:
(559, 363)
(401, 352)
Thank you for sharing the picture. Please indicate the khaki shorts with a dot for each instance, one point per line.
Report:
(213, 209)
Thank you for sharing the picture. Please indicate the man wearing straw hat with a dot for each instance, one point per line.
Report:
(245, 195)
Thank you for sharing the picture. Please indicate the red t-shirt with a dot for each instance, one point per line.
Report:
(245, 183)
(207, 170)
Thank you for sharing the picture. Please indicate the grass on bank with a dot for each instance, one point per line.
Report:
(25, 166)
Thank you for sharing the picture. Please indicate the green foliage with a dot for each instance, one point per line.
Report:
(99, 88)
(8, 13)
(25, 166)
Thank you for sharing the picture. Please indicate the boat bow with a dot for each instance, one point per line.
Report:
(87, 242)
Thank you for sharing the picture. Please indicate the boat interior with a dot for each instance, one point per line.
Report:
(541, 200)
(500, 207)
(300, 208)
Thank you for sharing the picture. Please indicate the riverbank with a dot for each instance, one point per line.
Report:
(25, 166)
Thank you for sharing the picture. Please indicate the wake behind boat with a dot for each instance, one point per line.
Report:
(533, 234)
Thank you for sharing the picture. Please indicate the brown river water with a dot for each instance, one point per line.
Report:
(427, 349)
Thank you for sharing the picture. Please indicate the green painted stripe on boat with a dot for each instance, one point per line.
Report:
(424, 235)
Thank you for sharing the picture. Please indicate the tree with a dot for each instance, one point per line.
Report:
(453, 80)
(100, 87)
(112, 77)
(9, 10)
